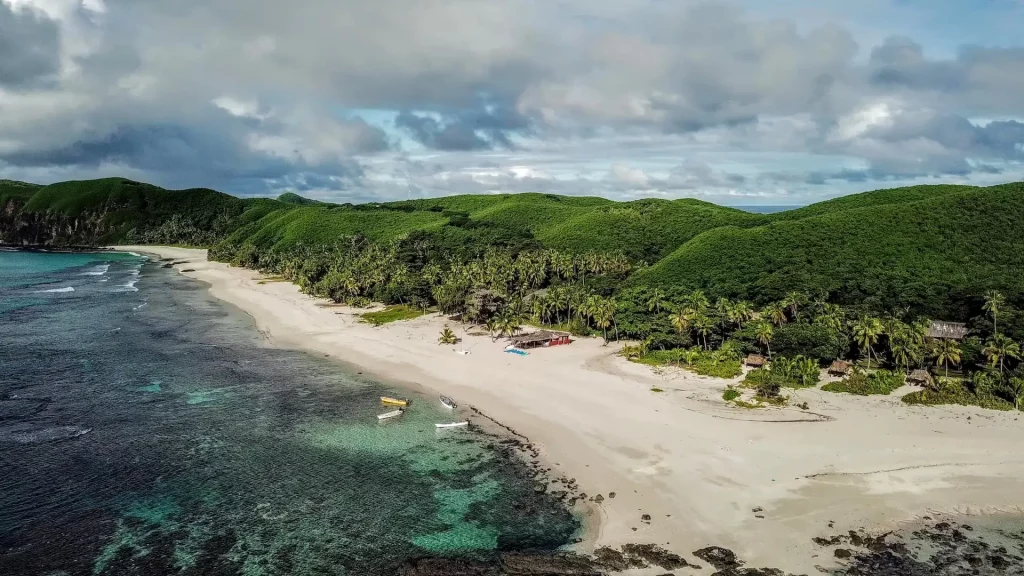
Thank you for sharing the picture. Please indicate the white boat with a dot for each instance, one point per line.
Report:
(448, 403)
(391, 414)
(452, 425)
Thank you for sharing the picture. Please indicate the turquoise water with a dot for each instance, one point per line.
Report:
(146, 429)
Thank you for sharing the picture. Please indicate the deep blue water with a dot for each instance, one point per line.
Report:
(145, 428)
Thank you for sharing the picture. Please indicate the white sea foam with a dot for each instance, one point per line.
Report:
(57, 290)
(128, 287)
(97, 271)
(140, 306)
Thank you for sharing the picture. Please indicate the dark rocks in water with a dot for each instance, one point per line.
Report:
(540, 488)
(720, 558)
(612, 559)
(447, 567)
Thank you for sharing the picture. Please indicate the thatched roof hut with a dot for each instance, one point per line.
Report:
(541, 338)
(919, 378)
(840, 368)
(755, 361)
(947, 330)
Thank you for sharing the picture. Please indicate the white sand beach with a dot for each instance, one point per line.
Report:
(698, 467)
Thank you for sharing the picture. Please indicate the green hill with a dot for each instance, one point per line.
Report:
(868, 199)
(96, 212)
(293, 198)
(930, 250)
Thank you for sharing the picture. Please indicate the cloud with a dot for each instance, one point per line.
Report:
(387, 98)
(29, 47)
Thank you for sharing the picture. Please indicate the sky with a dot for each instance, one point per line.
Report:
(749, 102)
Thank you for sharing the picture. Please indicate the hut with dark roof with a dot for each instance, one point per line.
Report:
(947, 330)
(755, 361)
(840, 368)
(919, 378)
(541, 338)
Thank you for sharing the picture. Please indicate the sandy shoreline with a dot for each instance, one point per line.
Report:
(697, 467)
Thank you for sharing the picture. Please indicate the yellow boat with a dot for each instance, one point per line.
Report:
(393, 401)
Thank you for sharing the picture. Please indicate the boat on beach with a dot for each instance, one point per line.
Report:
(448, 403)
(393, 401)
(452, 425)
(392, 414)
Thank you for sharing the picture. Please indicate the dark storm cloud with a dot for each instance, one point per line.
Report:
(29, 47)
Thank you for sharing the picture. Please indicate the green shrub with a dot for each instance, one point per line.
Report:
(730, 394)
(949, 391)
(882, 382)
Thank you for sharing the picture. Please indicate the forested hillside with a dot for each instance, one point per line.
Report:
(930, 249)
(933, 251)
(97, 212)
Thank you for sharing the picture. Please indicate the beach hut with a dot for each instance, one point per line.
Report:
(947, 330)
(755, 361)
(541, 338)
(919, 378)
(839, 368)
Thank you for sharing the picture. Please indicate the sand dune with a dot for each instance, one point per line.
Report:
(697, 467)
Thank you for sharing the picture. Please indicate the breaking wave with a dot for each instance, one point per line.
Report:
(98, 270)
(57, 290)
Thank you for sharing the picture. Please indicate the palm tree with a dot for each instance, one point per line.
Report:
(793, 301)
(946, 352)
(447, 336)
(776, 313)
(696, 301)
(724, 308)
(999, 348)
(702, 324)
(656, 303)
(763, 333)
(866, 332)
(603, 314)
(741, 312)
(1015, 389)
(680, 320)
(994, 301)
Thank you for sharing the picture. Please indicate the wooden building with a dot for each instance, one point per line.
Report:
(840, 368)
(541, 339)
(755, 361)
(947, 330)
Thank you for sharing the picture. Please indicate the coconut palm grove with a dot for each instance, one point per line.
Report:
(862, 278)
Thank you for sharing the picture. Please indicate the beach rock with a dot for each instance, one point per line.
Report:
(611, 494)
(656, 555)
(540, 488)
(842, 553)
(720, 558)
(646, 518)
(598, 498)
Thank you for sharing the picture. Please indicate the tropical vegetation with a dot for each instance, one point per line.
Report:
(687, 283)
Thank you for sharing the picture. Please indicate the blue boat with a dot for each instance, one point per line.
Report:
(514, 350)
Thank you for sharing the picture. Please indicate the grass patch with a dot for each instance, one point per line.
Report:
(882, 382)
(392, 314)
(956, 393)
(656, 390)
(730, 394)
(715, 364)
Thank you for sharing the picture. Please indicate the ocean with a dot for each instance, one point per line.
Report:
(146, 428)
